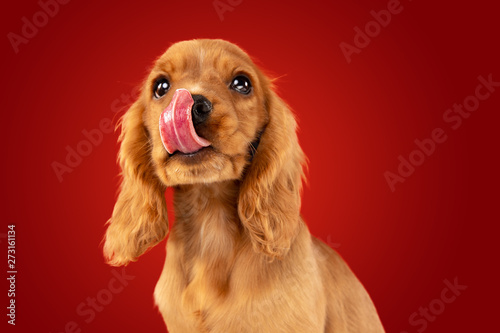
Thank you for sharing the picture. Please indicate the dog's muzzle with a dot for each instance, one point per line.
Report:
(178, 119)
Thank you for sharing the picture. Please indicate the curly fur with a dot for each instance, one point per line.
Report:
(239, 258)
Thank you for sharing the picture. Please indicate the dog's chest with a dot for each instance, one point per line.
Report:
(186, 298)
(199, 306)
(247, 301)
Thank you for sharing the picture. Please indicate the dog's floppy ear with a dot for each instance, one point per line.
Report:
(269, 199)
(139, 218)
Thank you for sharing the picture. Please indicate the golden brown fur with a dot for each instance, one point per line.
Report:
(240, 258)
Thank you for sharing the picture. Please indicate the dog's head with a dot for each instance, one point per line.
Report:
(207, 114)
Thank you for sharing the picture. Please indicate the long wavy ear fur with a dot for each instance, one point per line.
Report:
(139, 218)
(269, 199)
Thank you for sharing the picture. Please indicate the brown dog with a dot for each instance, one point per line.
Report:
(240, 258)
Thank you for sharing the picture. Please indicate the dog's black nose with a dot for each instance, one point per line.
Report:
(201, 109)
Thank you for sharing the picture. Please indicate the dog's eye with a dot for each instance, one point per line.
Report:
(160, 87)
(241, 84)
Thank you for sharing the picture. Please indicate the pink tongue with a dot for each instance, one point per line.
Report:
(176, 126)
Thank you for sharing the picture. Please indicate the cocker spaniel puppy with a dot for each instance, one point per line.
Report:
(239, 258)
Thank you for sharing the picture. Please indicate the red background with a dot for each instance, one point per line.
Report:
(355, 120)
